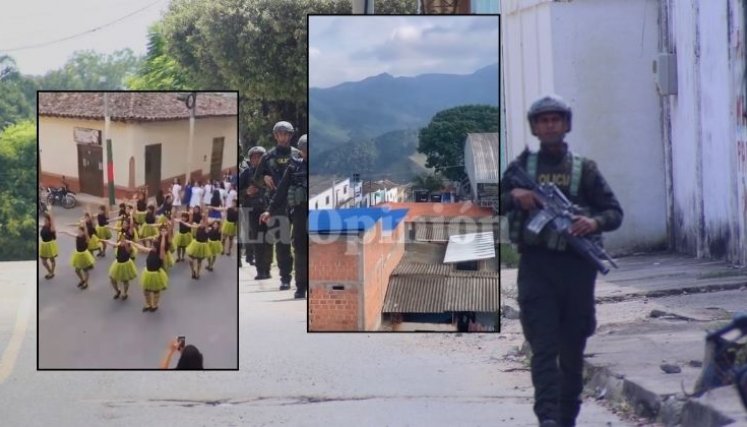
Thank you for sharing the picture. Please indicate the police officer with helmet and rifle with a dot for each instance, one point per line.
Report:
(558, 204)
(293, 193)
(268, 175)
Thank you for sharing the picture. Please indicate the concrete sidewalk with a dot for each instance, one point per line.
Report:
(656, 310)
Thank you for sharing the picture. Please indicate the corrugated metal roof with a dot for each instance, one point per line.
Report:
(484, 156)
(423, 269)
(440, 231)
(470, 247)
(434, 294)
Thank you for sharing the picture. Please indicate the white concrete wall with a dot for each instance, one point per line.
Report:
(708, 133)
(597, 55)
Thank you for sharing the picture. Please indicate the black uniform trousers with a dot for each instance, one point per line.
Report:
(300, 217)
(556, 298)
(279, 235)
(256, 246)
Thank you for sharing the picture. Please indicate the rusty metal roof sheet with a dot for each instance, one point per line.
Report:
(440, 294)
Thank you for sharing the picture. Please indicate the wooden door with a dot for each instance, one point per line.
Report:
(153, 168)
(91, 169)
(216, 159)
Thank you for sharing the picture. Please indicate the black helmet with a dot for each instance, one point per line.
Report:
(282, 127)
(550, 104)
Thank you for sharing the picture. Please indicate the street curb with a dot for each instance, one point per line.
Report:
(670, 410)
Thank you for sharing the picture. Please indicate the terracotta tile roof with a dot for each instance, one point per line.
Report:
(419, 210)
(133, 106)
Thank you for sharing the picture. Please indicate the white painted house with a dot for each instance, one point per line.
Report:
(322, 194)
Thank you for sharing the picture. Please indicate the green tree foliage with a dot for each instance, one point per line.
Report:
(18, 194)
(255, 46)
(428, 181)
(396, 7)
(17, 94)
(358, 156)
(88, 70)
(442, 141)
(159, 71)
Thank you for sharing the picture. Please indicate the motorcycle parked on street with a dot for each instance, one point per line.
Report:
(61, 196)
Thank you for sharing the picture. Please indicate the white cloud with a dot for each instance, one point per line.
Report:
(356, 47)
(406, 33)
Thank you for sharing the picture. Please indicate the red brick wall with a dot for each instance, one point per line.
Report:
(334, 264)
(381, 255)
(333, 310)
(332, 261)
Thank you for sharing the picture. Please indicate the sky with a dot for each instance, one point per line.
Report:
(351, 48)
(30, 22)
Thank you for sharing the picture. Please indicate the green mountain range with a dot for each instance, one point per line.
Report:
(382, 103)
(371, 126)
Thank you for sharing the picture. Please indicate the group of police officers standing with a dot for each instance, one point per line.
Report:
(274, 195)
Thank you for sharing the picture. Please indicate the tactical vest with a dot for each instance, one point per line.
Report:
(517, 217)
(298, 189)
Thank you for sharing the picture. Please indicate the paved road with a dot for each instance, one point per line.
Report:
(287, 377)
(87, 329)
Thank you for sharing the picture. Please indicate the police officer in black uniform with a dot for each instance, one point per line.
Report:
(254, 202)
(293, 188)
(268, 175)
(556, 285)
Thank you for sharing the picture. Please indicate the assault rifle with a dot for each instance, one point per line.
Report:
(557, 212)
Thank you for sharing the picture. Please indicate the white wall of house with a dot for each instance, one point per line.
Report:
(598, 56)
(325, 199)
(59, 153)
(174, 139)
(706, 131)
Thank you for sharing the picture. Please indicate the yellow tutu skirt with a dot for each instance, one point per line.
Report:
(94, 244)
(148, 230)
(140, 217)
(82, 260)
(161, 219)
(228, 229)
(198, 250)
(123, 271)
(182, 240)
(103, 232)
(168, 261)
(172, 248)
(48, 249)
(154, 280)
(216, 247)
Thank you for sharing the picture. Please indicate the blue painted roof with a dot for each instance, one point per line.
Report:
(353, 221)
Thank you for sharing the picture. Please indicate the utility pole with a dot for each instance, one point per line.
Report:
(363, 7)
(109, 159)
(190, 100)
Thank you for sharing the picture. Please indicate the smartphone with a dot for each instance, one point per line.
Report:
(182, 341)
